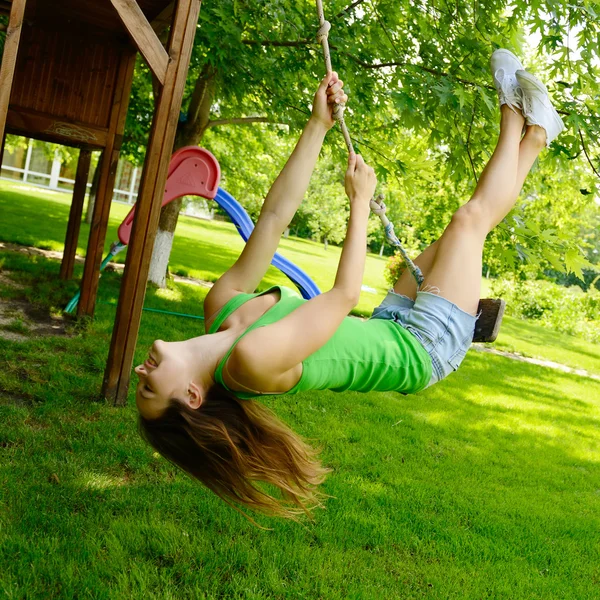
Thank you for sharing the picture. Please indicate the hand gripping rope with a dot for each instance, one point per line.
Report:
(377, 204)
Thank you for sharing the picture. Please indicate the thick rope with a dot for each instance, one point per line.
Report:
(322, 38)
(377, 205)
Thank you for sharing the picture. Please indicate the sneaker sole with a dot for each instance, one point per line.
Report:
(508, 53)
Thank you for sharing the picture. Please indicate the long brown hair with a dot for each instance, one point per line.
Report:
(230, 445)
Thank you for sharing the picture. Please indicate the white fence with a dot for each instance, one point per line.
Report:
(49, 177)
(54, 180)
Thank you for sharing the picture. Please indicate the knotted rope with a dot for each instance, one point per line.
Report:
(377, 204)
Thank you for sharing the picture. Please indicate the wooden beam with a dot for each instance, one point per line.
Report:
(143, 36)
(152, 188)
(164, 19)
(22, 121)
(79, 190)
(106, 183)
(9, 58)
(2, 149)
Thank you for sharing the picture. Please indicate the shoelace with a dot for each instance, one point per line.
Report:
(509, 87)
(527, 106)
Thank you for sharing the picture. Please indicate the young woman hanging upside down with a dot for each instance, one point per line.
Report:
(197, 398)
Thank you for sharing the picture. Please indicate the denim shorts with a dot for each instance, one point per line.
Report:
(444, 330)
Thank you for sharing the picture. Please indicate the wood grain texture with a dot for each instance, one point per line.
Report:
(152, 187)
(9, 58)
(143, 36)
(108, 170)
(74, 225)
(41, 126)
(71, 76)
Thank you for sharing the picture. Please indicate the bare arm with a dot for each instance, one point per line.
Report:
(360, 185)
(286, 343)
(281, 202)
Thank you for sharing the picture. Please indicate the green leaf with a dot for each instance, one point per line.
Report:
(553, 259)
(462, 96)
(484, 95)
(575, 262)
(445, 92)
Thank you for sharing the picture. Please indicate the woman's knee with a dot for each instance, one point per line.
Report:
(470, 218)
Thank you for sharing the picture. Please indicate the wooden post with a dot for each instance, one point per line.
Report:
(9, 58)
(108, 168)
(2, 149)
(152, 188)
(81, 178)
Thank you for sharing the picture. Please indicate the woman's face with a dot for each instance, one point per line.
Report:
(161, 378)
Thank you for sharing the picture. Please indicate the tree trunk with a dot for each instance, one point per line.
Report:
(163, 244)
(189, 133)
(325, 242)
(89, 211)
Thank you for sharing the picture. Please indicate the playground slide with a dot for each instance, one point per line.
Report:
(194, 171)
(244, 225)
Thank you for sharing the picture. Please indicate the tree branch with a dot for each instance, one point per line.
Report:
(469, 142)
(278, 43)
(586, 153)
(242, 121)
(435, 72)
(348, 8)
(387, 33)
(361, 142)
(362, 63)
(292, 44)
(198, 113)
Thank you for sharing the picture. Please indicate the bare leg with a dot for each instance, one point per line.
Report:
(452, 264)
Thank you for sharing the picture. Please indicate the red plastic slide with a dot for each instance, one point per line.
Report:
(193, 171)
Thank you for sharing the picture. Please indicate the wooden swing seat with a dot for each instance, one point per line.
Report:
(491, 311)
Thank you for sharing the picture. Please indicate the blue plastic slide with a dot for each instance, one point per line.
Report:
(244, 225)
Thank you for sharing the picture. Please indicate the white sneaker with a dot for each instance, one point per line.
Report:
(537, 107)
(504, 64)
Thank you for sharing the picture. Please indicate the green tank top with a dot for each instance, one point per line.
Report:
(363, 356)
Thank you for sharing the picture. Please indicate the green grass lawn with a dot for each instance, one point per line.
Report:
(530, 339)
(202, 249)
(484, 486)
(205, 249)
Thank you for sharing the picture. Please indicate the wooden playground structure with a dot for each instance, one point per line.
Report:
(66, 77)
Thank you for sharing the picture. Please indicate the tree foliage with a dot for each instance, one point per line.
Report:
(422, 107)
